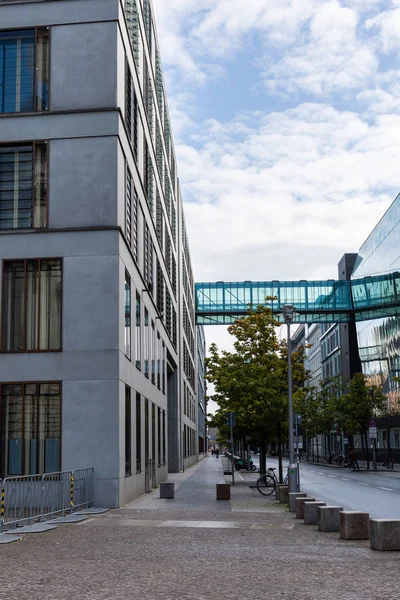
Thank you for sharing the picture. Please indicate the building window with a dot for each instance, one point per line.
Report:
(128, 207)
(23, 185)
(132, 19)
(159, 435)
(158, 350)
(153, 353)
(128, 432)
(30, 428)
(131, 111)
(32, 298)
(138, 333)
(160, 290)
(163, 438)
(148, 259)
(138, 434)
(146, 342)
(153, 433)
(163, 367)
(135, 225)
(24, 70)
(127, 315)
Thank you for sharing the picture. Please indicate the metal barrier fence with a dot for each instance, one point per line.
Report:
(29, 498)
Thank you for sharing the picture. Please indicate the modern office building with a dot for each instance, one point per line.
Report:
(98, 343)
(379, 339)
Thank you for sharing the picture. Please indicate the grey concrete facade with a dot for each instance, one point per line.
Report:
(90, 152)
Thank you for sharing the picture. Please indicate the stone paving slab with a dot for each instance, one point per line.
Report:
(267, 555)
(35, 528)
(8, 539)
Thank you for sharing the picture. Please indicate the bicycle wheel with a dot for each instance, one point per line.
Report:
(266, 484)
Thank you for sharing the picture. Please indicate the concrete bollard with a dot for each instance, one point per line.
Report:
(284, 494)
(311, 512)
(354, 525)
(292, 500)
(223, 491)
(385, 534)
(167, 490)
(300, 506)
(328, 518)
(278, 488)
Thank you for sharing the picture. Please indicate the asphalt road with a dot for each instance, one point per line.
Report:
(375, 492)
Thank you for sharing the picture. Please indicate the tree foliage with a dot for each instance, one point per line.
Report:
(252, 381)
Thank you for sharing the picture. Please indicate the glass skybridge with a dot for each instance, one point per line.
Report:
(329, 301)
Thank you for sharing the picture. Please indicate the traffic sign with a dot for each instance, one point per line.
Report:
(373, 433)
(372, 424)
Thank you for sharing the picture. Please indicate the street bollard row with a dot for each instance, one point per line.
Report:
(384, 534)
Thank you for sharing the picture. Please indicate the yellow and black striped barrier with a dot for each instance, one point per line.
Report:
(2, 508)
(71, 491)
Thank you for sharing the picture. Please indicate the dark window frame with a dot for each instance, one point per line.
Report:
(23, 349)
(24, 384)
(33, 145)
(35, 69)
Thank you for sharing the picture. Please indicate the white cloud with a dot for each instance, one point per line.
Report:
(332, 57)
(309, 182)
(388, 25)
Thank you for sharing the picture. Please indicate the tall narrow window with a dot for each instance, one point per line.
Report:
(31, 315)
(160, 290)
(128, 207)
(146, 342)
(132, 19)
(128, 432)
(158, 344)
(30, 430)
(138, 335)
(148, 259)
(138, 434)
(159, 435)
(153, 432)
(23, 185)
(24, 70)
(128, 100)
(131, 111)
(135, 227)
(147, 21)
(146, 432)
(163, 367)
(153, 353)
(163, 438)
(127, 315)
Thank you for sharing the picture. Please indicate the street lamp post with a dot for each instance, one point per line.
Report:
(288, 310)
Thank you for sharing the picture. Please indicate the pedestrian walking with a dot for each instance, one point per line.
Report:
(217, 452)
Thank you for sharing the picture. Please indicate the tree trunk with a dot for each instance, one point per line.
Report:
(366, 449)
(279, 432)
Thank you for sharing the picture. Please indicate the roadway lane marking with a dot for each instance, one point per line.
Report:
(319, 473)
(334, 476)
(344, 478)
(360, 483)
(386, 489)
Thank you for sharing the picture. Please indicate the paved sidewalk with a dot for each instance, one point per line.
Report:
(196, 548)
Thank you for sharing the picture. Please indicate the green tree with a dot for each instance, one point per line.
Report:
(252, 380)
(359, 406)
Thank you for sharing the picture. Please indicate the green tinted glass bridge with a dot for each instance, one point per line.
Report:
(329, 301)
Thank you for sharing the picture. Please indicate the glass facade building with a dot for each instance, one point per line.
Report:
(379, 339)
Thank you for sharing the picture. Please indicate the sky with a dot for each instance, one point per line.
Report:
(286, 122)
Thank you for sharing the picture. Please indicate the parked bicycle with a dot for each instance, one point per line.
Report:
(336, 457)
(266, 484)
(388, 461)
